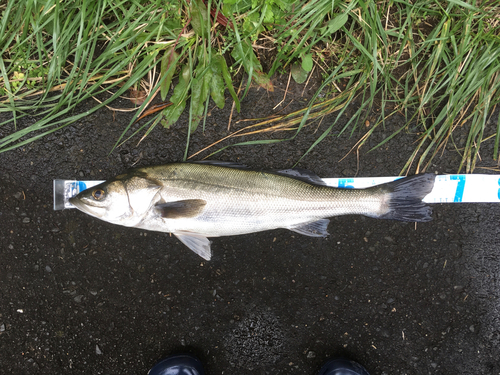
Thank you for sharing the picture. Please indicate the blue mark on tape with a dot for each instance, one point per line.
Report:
(81, 186)
(459, 193)
(346, 183)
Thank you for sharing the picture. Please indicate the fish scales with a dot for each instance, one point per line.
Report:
(245, 201)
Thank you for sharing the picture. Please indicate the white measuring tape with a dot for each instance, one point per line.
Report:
(453, 188)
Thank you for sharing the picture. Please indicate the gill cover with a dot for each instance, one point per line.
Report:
(141, 195)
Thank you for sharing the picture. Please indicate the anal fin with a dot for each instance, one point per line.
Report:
(196, 242)
(312, 229)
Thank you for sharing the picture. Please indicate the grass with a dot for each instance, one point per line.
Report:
(436, 62)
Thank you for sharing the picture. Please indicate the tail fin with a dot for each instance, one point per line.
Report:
(404, 198)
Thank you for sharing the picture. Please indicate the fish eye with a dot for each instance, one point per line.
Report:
(98, 194)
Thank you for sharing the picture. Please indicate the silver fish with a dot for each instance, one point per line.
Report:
(199, 200)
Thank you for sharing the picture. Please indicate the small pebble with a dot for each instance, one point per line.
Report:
(48, 269)
(78, 298)
(26, 220)
(98, 350)
(310, 354)
(2, 327)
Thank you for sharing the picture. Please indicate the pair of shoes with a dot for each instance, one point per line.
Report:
(342, 366)
(185, 364)
(181, 364)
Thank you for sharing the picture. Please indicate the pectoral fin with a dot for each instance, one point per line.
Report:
(196, 242)
(314, 229)
(181, 209)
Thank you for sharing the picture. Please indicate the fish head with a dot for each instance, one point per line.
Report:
(124, 200)
(107, 201)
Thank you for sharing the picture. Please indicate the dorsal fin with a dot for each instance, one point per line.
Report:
(296, 173)
(301, 174)
(227, 164)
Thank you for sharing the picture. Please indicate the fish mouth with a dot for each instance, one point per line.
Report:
(76, 202)
(73, 201)
(85, 207)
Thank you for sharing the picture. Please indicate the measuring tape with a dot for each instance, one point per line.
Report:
(453, 188)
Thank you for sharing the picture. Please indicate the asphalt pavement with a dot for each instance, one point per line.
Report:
(82, 296)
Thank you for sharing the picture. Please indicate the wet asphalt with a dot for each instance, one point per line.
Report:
(81, 296)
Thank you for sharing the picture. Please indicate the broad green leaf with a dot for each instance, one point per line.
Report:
(243, 53)
(221, 63)
(307, 62)
(217, 89)
(168, 64)
(269, 15)
(236, 6)
(173, 24)
(171, 114)
(252, 25)
(298, 73)
(199, 94)
(465, 5)
(199, 17)
(336, 23)
(180, 91)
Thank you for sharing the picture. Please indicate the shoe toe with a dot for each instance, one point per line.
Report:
(181, 364)
(342, 366)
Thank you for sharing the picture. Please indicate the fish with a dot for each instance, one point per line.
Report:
(199, 200)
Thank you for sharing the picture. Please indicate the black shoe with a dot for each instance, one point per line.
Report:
(181, 364)
(341, 366)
